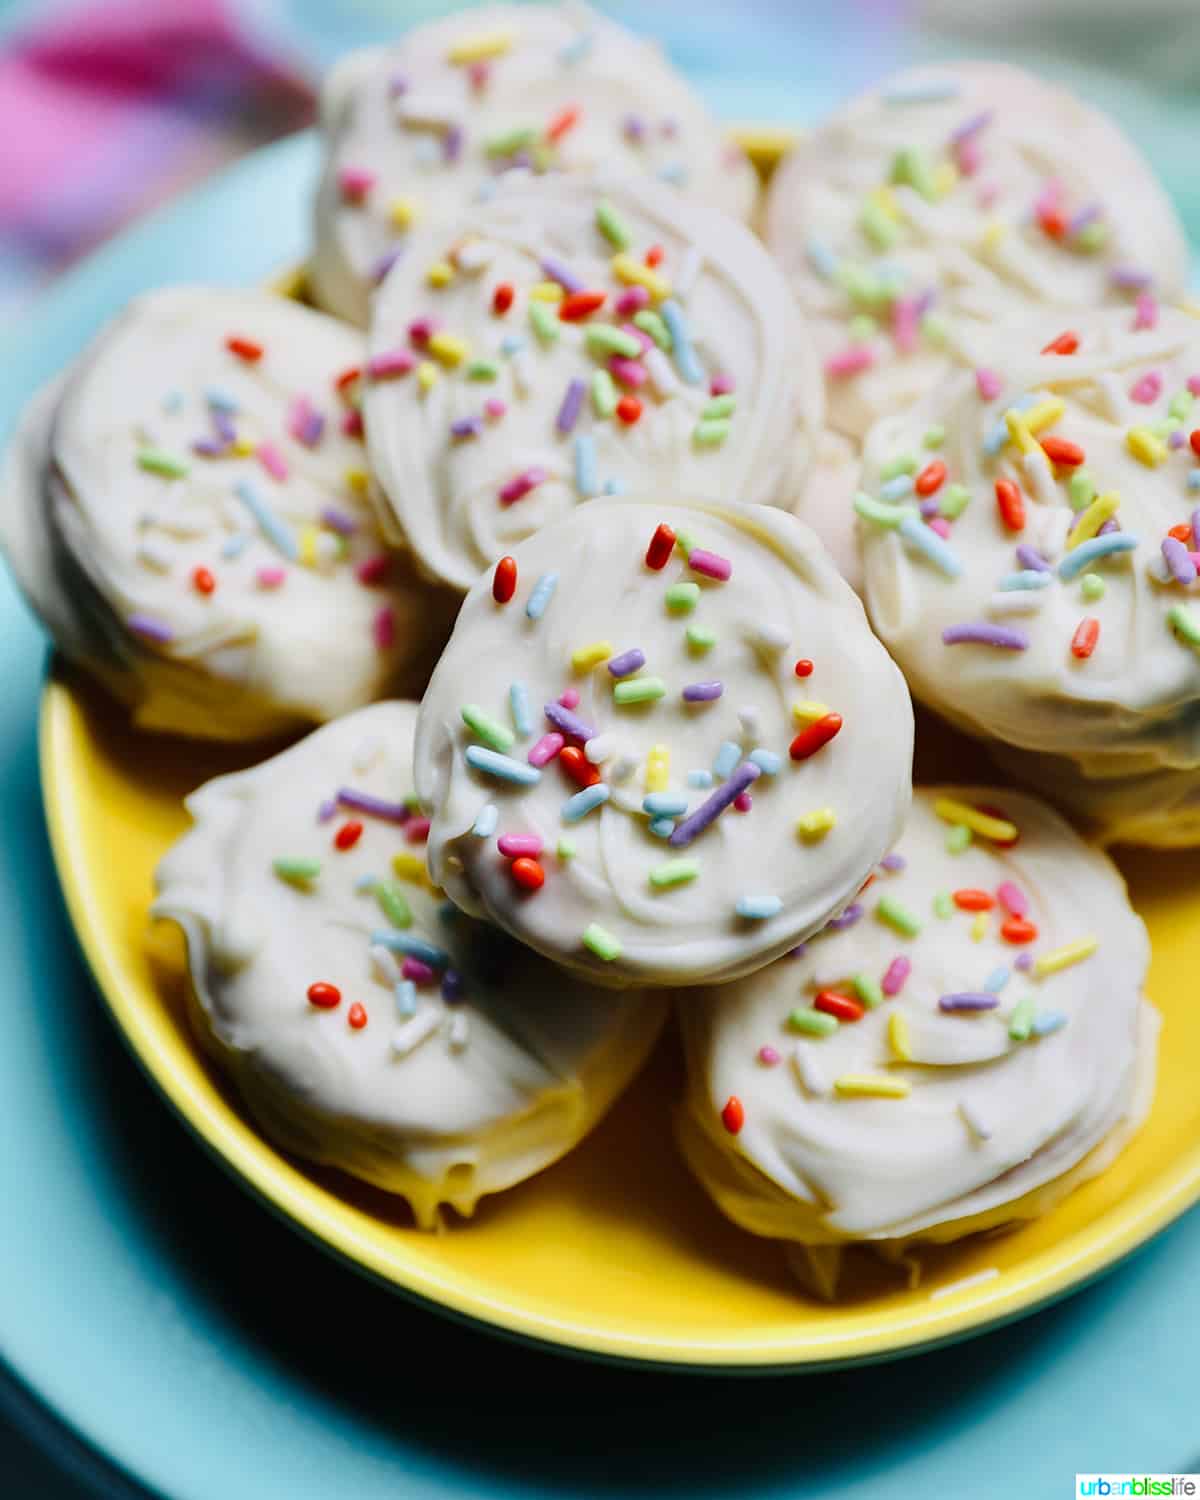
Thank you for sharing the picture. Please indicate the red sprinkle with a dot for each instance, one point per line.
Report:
(654, 256)
(373, 570)
(502, 298)
(577, 305)
(324, 996)
(629, 409)
(733, 1116)
(1018, 930)
(562, 122)
(1194, 439)
(930, 479)
(972, 900)
(1083, 642)
(743, 802)
(416, 830)
(1060, 451)
(1052, 223)
(833, 1003)
(357, 1017)
(245, 349)
(810, 740)
(203, 581)
(347, 377)
(1010, 504)
(504, 580)
(527, 873)
(1065, 343)
(348, 835)
(577, 766)
(662, 544)
(804, 668)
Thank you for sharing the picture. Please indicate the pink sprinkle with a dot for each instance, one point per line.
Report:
(1193, 384)
(1047, 200)
(373, 570)
(354, 183)
(968, 156)
(632, 301)
(711, 564)
(1148, 389)
(546, 749)
(352, 424)
(421, 330)
(570, 698)
(850, 361)
(987, 194)
(392, 362)
(416, 830)
(1195, 557)
(384, 628)
(941, 526)
(1012, 898)
(517, 488)
(272, 460)
(905, 324)
(1145, 313)
(304, 422)
(419, 972)
(494, 408)
(514, 845)
(635, 332)
(721, 385)
(897, 972)
(768, 1056)
(479, 73)
(743, 802)
(988, 384)
(270, 578)
(627, 371)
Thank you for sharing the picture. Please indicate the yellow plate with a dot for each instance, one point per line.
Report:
(614, 1251)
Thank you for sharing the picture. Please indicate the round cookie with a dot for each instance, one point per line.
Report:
(1028, 573)
(554, 364)
(951, 196)
(187, 510)
(658, 768)
(368, 1025)
(958, 1050)
(416, 133)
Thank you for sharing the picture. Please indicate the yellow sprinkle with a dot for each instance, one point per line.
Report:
(633, 272)
(440, 273)
(871, 1086)
(885, 200)
(994, 233)
(658, 768)
(1064, 957)
(1190, 306)
(476, 46)
(546, 291)
(449, 348)
(1145, 447)
(1044, 414)
(411, 867)
(1018, 432)
(402, 211)
(808, 711)
(815, 825)
(427, 374)
(979, 927)
(358, 480)
(591, 656)
(898, 1036)
(242, 448)
(308, 547)
(1100, 510)
(999, 830)
(945, 179)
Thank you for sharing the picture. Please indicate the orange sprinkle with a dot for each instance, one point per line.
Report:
(972, 900)
(1060, 451)
(930, 479)
(347, 377)
(1065, 343)
(324, 996)
(577, 766)
(819, 733)
(502, 298)
(1010, 504)
(733, 1116)
(654, 256)
(1018, 930)
(1083, 642)
(1194, 439)
(245, 349)
(844, 1007)
(348, 835)
(1052, 223)
(804, 668)
(1182, 533)
(203, 581)
(357, 1017)
(562, 122)
(527, 873)
(577, 305)
(504, 580)
(629, 409)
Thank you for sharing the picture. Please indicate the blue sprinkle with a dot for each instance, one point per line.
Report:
(512, 343)
(1099, 546)
(662, 828)
(1194, 479)
(766, 761)
(664, 804)
(405, 992)
(415, 947)
(675, 172)
(1028, 578)
(685, 356)
(486, 821)
(700, 778)
(220, 400)
(1048, 1021)
(584, 802)
(615, 486)
(543, 591)
(236, 545)
(897, 488)
(365, 883)
(926, 540)
(759, 908)
(995, 438)
(576, 50)
(586, 480)
(997, 979)
(518, 700)
(492, 763)
(821, 258)
(727, 758)
(172, 402)
(269, 523)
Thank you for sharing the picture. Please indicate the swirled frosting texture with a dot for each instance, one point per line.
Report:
(686, 688)
(417, 132)
(190, 521)
(692, 374)
(953, 196)
(465, 1078)
(1001, 1104)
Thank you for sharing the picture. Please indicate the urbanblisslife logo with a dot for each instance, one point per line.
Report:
(1136, 1484)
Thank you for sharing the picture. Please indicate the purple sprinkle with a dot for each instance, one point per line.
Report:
(1196, 527)
(1176, 439)
(337, 520)
(797, 952)
(223, 425)
(893, 861)
(1179, 560)
(929, 508)
(376, 807)
(1030, 557)
(572, 402)
(708, 812)
(634, 128)
(968, 1001)
(452, 987)
(1086, 215)
(209, 447)
(570, 724)
(897, 972)
(1109, 526)
(565, 277)
(397, 84)
(1024, 962)
(1130, 279)
(327, 809)
(150, 628)
(628, 661)
(924, 302)
(466, 427)
(702, 692)
(384, 264)
(452, 142)
(971, 126)
(983, 634)
(847, 918)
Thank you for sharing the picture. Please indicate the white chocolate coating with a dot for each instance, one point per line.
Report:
(997, 154)
(1133, 705)
(107, 549)
(461, 1097)
(446, 494)
(993, 1129)
(431, 132)
(783, 600)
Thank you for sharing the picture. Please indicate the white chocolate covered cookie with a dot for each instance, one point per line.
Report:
(369, 1025)
(186, 508)
(417, 132)
(960, 1048)
(662, 745)
(576, 337)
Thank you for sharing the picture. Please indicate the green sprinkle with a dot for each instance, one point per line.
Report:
(862, 287)
(297, 871)
(712, 434)
(880, 514)
(601, 942)
(912, 167)
(159, 461)
(650, 322)
(719, 406)
(862, 328)
(682, 597)
(639, 690)
(958, 838)
(674, 872)
(889, 910)
(1181, 405)
(943, 905)
(814, 1022)
(1092, 586)
(482, 369)
(392, 903)
(700, 637)
(1092, 236)
(487, 729)
(545, 323)
(1081, 489)
(867, 990)
(607, 338)
(604, 393)
(904, 463)
(935, 436)
(1020, 1023)
(1186, 623)
(878, 225)
(934, 329)
(954, 500)
(565, 848)
(612, 226)
(686, 543)
(511, 140)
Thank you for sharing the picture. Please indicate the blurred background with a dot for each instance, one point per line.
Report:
(107, 107)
